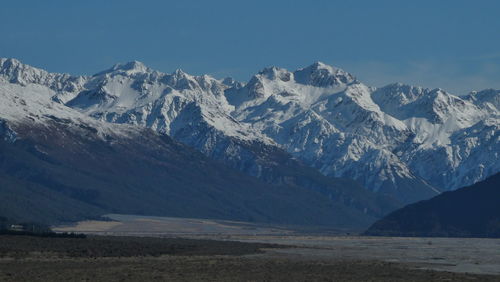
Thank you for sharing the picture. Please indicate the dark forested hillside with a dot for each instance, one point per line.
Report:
(473, 211)
(56, 173)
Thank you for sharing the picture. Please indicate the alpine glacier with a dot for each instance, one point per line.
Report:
(406, 141)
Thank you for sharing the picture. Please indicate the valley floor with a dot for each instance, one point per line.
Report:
(24, 258)
(218, 269)
(464, 255)
(140, 248)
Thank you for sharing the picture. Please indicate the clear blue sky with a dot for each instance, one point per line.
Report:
(449, 44)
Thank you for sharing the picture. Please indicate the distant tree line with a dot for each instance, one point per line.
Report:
(32, 229)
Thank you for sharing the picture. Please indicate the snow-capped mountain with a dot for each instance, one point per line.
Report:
(192, 109)
(59, 163)
(406, 141)
(380, 137)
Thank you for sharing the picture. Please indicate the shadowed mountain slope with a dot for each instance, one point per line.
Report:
(473, 211)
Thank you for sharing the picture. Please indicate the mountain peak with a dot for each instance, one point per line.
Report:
(179, 73)
(134, 66)
(15, 71)
(131, 67)
(9, 61)
(276, 73)
(9, 64)
(320, 74)
(321, 65)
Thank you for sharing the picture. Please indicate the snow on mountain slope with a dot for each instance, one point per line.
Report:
(33, 104)
(58, 164)
(385, 138)
(334, 126)
(34, 110)
(347, 129)
(471, 155)
(66, 86)
(442, 126)
(488, 99)
(134, 94)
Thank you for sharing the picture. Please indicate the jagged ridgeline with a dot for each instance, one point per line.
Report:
(300, 129)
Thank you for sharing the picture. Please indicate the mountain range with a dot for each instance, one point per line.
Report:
(314, 128)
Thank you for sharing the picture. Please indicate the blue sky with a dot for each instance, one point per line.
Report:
(449, 44)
